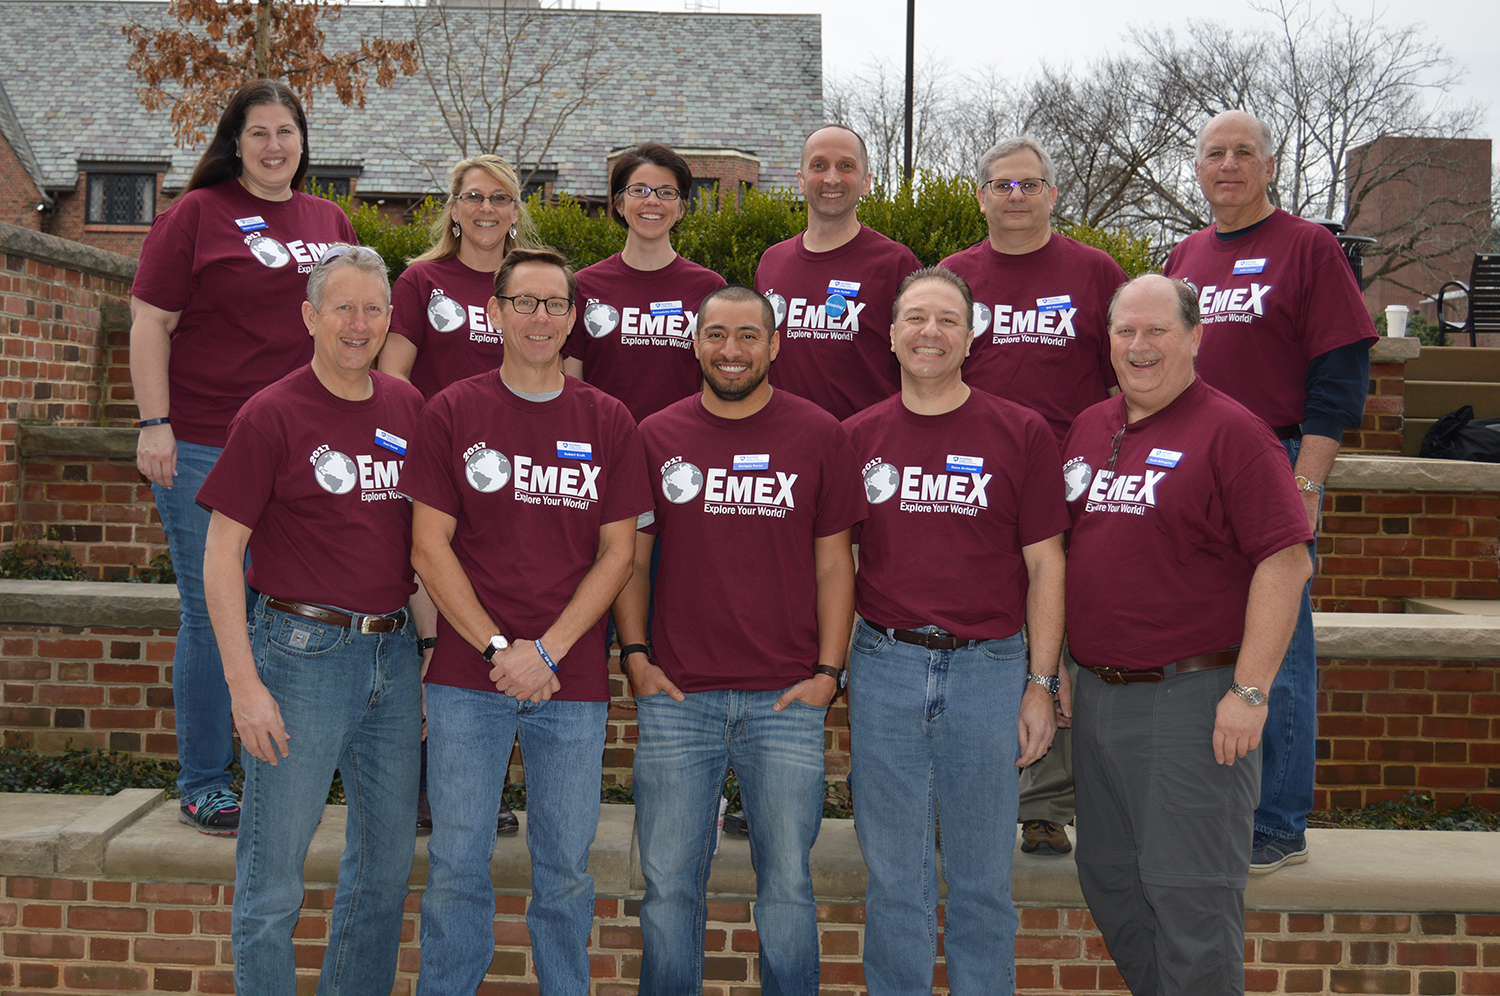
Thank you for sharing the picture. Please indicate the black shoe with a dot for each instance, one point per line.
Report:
(507, 825)
(424, 815)
(216, 813)
(735, 825)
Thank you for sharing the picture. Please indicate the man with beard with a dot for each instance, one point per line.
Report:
(756, 494)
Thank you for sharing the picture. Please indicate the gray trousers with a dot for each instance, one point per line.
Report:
(1047, 785)
(1164, 832)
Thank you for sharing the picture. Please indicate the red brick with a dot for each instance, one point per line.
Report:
(109, 948)
(1301, 952)
(172, 980)
(175, 951)
(1482, 924)
(178, 894)
(41, 916)
(1034, 977)
(34, 976)
(117, 919)
(70, 648)
(211, 981)
(96, 977)
(172, 921)
(54, 947)
(1437, 954)
(60, 889)
(1303, 980)
(1049, 948)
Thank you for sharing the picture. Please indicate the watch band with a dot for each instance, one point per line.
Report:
(1050, 682)
(426, 643)
(497, 643)
(149, 422)
(836, 673)
(1307, 484)
(634, 648)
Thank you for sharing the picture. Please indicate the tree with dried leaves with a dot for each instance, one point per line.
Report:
(192, 69)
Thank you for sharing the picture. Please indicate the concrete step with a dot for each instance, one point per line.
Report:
(1454, 606)
(1412, 432)
(1455, 363)
(1436, 398)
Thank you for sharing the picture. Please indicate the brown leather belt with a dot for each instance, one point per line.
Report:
(1197, 662)
(931, 641)
(364, 624)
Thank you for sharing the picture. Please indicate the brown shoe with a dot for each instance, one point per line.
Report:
(507, 825)
(1044, 837)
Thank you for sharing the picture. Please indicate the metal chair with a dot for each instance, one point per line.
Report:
(1483, 292)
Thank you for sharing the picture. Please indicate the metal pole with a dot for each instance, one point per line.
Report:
(911, 38)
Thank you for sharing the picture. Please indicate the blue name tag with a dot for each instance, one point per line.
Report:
(1164, 458)
(752, 461)
(843, 288)
(575, 451)
(666, 307)
(965, 464)
(1054, 303)
(254, 223)
(1249, 265)
(390, 441)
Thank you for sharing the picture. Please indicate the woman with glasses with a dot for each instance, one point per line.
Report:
(440, 333)
(638, 309)
(216, 315)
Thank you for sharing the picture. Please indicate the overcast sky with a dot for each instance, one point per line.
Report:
(1019, 35)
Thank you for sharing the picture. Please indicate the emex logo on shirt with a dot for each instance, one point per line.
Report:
(729, 491)
(837, 317)
(1050, 323)
(338, 474)
(1108, 491)
(1233, 304)
(960, 490)
(275, 254)
(665, 323)
(446, 315)
(571, 480)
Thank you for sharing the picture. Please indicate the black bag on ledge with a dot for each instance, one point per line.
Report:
(1458, 435)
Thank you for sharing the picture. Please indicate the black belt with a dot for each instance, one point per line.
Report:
(1284, 432)
(1197, 662)
(931, 641)
(333, 617)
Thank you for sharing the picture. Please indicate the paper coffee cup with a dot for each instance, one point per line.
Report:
(1395, 319)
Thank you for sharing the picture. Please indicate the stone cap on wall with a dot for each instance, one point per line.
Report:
(20, 241)
(84, 604)
(86, 442)
(135, 836)
(1395, 350)
(1404, 473)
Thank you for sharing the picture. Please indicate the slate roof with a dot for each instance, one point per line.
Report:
(751, 82)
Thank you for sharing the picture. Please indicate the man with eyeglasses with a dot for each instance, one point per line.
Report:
(1039, 340)
(327, 676)
(1186, 562)
(1287, 335)
(527, 486)
(833, 285)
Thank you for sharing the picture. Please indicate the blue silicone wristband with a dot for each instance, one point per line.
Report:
(546, 657)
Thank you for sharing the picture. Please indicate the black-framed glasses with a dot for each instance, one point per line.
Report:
(334, 252)
(1031, 186)
(475, 198)
(641, 191)
(525, 304)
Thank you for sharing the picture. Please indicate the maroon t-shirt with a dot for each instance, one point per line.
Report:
(236, 268)
(953, 499)
(634, 330)
(1041, 325)
(739, 503)
(316, 478)
(1272, 300)
(833, 310)
(1163, 548)
(438, 306)
(531, 483)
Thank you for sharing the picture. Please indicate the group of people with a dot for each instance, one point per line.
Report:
(968, 466)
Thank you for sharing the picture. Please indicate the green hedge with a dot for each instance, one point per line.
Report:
(936, 217)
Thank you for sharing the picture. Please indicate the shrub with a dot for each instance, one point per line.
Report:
(1417, 327)
(30, 561)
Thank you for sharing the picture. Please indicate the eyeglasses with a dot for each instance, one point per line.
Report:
(1115, 455)
(1031, 186)
(525, 304)
(475, 198)
(662, 193)
(335, 252)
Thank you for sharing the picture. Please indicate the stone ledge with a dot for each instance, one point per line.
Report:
(1395, 350)
(45, 439)
(20, 241)
(89, 604)
(1454, 606)
(1397, 635)
(1349, 870)
(1403, 473)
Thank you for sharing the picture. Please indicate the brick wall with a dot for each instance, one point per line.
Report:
(19, 194)
(100, 936)
(1385, 410)
(1376, 548)
(69, 220)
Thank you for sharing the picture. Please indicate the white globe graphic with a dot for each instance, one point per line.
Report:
(336, 473)
(881, 483)
(778, 305)
(600, 319)
(270, 252)
(981, 318)
(445, 314)
(1076, 478)
(487, 471)
(681, 483)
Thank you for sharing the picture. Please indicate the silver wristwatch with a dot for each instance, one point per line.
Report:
(1048, 681)
(497, 643)
(1250, 694)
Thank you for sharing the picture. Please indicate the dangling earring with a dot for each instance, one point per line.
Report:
(457, 232)
(513, 233)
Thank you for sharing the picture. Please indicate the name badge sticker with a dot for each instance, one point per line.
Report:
(390, 441)
(666, 307)
(254, 223)
(575, 451)
(752, 461)
(843, 288)
(965, 464)
(1249, 265)
(1164, 458)
(1057, 303)
(835, 306)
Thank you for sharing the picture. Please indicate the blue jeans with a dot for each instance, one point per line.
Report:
(205, 745)
(1289, 743)
(685, 750)
(469, 738)
(934, 733)
(351, 702)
